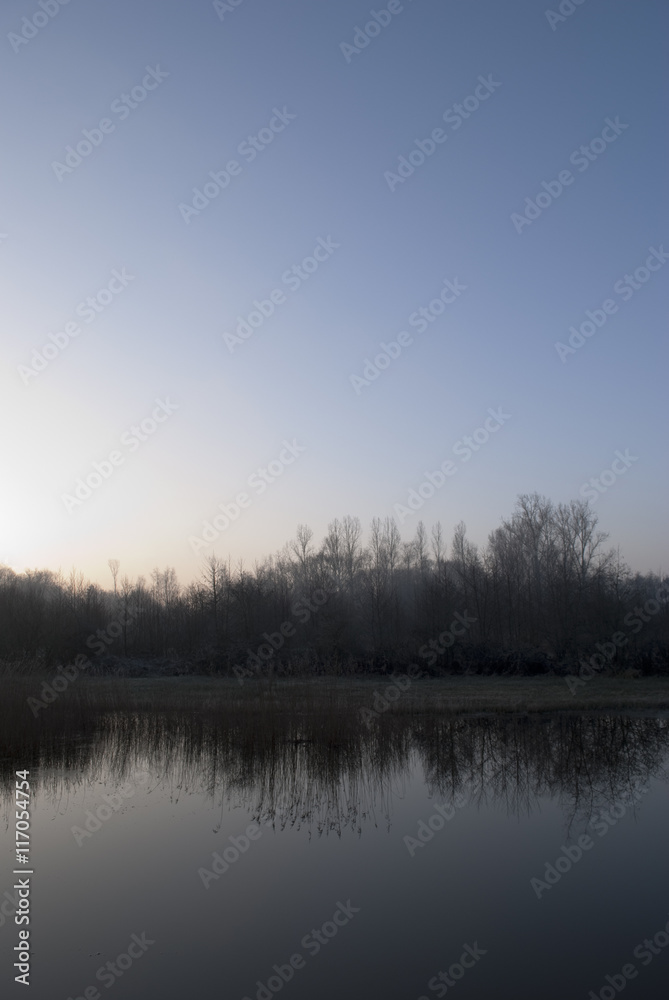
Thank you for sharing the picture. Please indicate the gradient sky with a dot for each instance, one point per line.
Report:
(322, 176)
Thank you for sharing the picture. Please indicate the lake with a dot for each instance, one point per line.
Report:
(180, 856)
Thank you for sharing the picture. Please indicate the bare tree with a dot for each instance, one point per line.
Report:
(114, 566)
(544, 592)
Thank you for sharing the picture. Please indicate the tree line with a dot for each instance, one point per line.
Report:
(543, 595)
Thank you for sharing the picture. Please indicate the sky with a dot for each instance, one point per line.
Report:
(216, 218)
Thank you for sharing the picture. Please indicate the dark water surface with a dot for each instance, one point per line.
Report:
(374, 864)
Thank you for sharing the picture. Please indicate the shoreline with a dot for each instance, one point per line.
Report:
(392, 695)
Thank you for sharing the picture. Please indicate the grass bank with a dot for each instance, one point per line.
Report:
(325, 695)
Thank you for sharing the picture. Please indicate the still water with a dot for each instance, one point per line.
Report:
(474, 858)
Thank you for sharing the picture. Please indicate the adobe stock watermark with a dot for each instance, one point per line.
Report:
(122, 107)
(443, 981)
(98, 642)
(301, 609)
(464, 449)
(594, 487)
(112, 803)
(426, 830)
(130, 440)
(8, 906)
(565, 9)
(293, 278)
(635, 621)
(419, 320)
(571, 854)
(362, 36)
(248, 149)
(399, 685)
(238, 846)
(111, 971)
(625, 287)
(312, 942)
(223, 7)
(31, 26)
(88, 309)
(646, 951)
(455, 116)
(437, 647)
(581, 158)
(258, 481)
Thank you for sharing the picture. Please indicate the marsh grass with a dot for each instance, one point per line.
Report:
(334, 703)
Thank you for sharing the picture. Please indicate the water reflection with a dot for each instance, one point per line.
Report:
(295, 774)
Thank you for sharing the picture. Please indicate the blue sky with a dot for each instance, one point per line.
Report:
(331, 125)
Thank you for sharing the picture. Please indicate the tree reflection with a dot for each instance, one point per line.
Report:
(295, 772)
